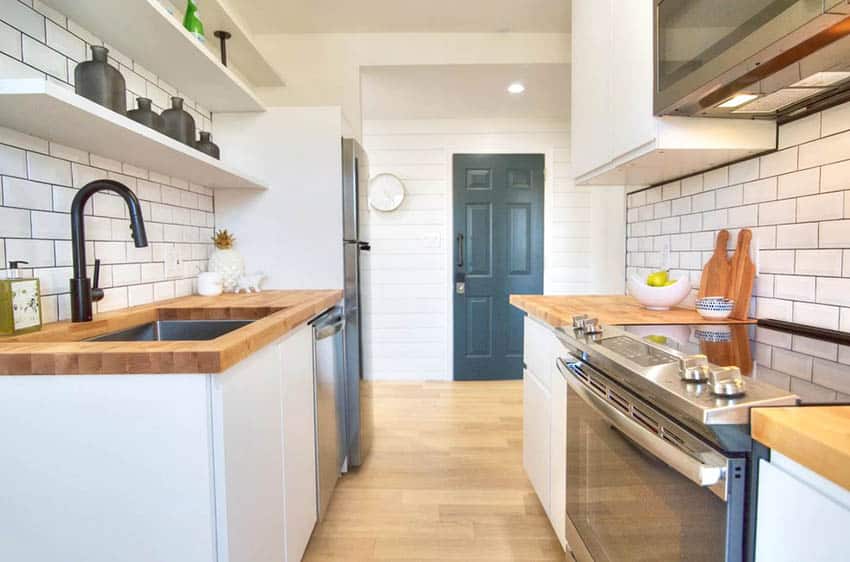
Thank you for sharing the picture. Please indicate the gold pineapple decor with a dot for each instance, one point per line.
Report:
(226, 261)
(223, 240)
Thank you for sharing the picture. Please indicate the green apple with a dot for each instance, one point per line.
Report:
(658, 279)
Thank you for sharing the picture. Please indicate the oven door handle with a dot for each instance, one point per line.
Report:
(706, 475)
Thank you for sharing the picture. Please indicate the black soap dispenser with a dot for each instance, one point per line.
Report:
(20, 302)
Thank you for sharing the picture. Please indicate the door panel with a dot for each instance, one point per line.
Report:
(498, 250)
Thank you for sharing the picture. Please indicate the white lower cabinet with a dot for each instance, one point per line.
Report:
(545, 423)
(160, 468)
(264, 428)
(801, 515)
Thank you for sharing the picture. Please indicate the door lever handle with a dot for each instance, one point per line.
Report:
(460, 250)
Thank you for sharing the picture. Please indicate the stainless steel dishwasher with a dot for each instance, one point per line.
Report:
(330, 404)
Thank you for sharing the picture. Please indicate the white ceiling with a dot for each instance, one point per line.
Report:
(465, 91)
(399, 16)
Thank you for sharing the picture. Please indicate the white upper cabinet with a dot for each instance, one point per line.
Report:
(616, 139)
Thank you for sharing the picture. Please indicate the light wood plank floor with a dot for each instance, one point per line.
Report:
(444, 481)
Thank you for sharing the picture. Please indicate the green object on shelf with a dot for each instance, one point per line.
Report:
(192, 20)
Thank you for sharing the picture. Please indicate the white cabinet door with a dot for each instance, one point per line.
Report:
(249, 458)
(535, 435)
(537, 349)
(590, 115)
(558, 458)
(299, 440)
(796, 521)
(631, 67)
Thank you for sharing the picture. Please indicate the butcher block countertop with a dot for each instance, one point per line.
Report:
(817, 437)
(609, 309)
(58, 348)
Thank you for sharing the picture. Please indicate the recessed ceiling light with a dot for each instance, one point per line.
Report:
(738, 100)
(516, 88)
(821, 80)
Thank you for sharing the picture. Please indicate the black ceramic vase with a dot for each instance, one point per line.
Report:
(145, 115)
(178, 124)
(207, 146)
(101, 82)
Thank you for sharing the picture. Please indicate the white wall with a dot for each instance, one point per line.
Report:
(407, 289)
(292, 231)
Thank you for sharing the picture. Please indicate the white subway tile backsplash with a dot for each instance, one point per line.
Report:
(10, 41)
(778, 212)
(774, 309)
(761, 190)
(715, 178)
(820, 207)
(23, 18)
(55, 226)
(26, 194)
(795, 184)
(797, 235)
(44, 58)
(715, 220)
(48, 169)
(794, 287)
(65, 42)
(835, 234)
(835, 120)
(779, 162)
(777, 261)
(692, 185)
(833, 291)
(679, 206)
(816, 315)
(730, 196)
(671, 190)
(14, 222)
(747, 170)
(818, 262)
(13, 161)
(825, 151)
(743, 216)
(703, 202)
(832, 375)
(835, 177)
(39, 253)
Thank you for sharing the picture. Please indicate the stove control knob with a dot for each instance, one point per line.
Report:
(578, 321)
(694, 368)
(591, 326)
(726, 382)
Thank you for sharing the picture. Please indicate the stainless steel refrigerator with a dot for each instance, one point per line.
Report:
(355, 177)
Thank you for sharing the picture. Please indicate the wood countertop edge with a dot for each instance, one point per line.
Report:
(32, 355)
(557, 310)
(817, 437)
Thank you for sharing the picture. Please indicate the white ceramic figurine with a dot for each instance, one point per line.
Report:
(250, 283)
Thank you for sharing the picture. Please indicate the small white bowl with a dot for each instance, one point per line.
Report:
(659, 298)
(715, 308)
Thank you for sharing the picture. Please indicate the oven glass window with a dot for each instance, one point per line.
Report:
(627, 506)
(692, 33)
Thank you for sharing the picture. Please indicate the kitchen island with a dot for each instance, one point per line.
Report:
(212, 459)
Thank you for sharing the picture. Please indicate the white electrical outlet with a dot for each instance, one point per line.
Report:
(172, 263)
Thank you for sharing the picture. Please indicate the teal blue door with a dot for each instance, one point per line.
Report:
(498, 250)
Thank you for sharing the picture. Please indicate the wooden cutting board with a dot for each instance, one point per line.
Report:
(742, 277)
(716, 275)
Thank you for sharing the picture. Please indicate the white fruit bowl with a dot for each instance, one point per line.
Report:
(659, 298)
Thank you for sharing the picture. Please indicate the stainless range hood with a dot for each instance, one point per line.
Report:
(749, 58)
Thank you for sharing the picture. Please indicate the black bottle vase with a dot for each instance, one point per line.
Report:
(207, 146)
(101, 82)
(145, 115)
(178, 124)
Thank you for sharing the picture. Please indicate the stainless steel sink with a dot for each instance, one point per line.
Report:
(175, 330)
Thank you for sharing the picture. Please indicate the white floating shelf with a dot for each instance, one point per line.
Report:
(49, 111)
(147, 33)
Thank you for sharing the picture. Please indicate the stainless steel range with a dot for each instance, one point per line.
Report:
(658, 445)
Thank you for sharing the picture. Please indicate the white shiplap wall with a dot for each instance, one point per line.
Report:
(406, 282)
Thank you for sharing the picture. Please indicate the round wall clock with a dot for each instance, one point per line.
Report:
(386, 192)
